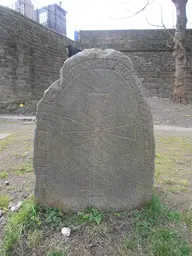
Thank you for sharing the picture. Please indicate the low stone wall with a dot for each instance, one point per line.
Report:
(151, 52)
(30, 59)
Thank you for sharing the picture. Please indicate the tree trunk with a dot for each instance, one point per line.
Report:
(180, 55)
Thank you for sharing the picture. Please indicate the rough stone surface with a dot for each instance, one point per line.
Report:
(94, 143)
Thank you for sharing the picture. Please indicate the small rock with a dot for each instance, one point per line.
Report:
(66, 231)
(19, 204)
(13, 209)
(1, 213)
(6, 183)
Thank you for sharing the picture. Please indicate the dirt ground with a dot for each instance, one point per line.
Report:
(166, 112)
(173, 175)
(16, 153)
(16, 150)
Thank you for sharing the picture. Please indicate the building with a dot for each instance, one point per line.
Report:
(76, 36)
(26, 8)
(53, 17)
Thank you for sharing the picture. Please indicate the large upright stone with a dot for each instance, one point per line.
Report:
(94, 143)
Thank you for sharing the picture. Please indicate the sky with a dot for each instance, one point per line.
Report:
(115, 14)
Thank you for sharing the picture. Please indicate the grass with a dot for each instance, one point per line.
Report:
(34, 238)
(91, 215)
(56, 253)
(32, 219)
(3, 175)
(156, 229)
(172, 162)
(187, 217)
(4, 201)
(167, 241)
(16, 224)
(156, 232)
(5, 142)
(25, 168)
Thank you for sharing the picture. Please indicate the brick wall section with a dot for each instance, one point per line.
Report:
(30, 59)
(150, 52)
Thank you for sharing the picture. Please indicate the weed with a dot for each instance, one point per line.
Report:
(5, 142)
(29, 221)
(120, 214)
(52, 217)
(178, 189)
(167, 241)
(3, 175)
(97, 232)
(4, 201)
(156, 213)
(151, 234)
(91, 215)
(16, 224)
(28, 167)
(187, 217)
(34, 238)
(131, 242)
(56, 253)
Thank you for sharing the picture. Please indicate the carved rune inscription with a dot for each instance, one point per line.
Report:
(96, 144)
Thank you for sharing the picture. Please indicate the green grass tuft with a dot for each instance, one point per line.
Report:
(34, 238)
(56, 253)
(187, 217)
(151, 232)
(131, 242)
(16, 223)
(3, 175)
(5, 142)
(28, 167)
(156, 212)
(167, 241)
(90, 215)
(4, 201)
(155, 228)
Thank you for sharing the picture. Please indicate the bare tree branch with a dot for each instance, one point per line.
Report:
(167, 30)
(141, 10)
(153, 25)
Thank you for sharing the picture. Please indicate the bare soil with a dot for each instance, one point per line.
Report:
(173, 178)
(17, 155)
(17, 151)
(166, 112)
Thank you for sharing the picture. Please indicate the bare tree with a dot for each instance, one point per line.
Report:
(180, 54)
(180, 51)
